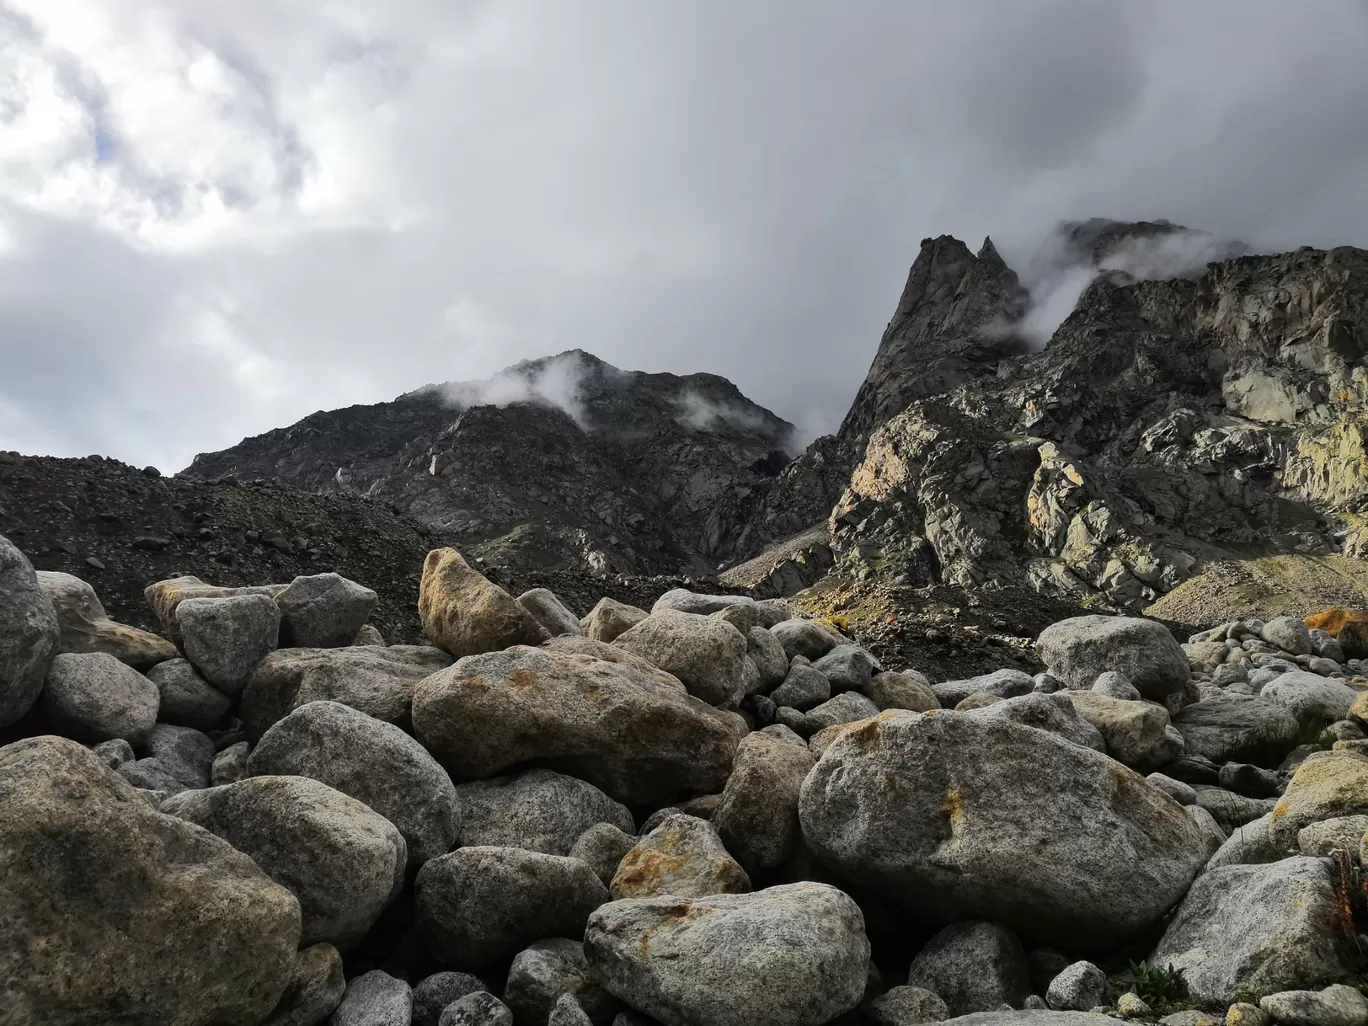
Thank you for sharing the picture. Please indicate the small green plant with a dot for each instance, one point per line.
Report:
(1157, 986)
(1268, 747)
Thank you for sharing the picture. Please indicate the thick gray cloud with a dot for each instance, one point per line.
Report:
(216, 218)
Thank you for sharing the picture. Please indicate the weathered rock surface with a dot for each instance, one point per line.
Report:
(1229, 726)
(682, 856)
(372, 761)
(341, 860)
(1336, 1005)
(974, 966)
(904, 1006)
(1079, 988)
(323, 611)
(901, 689)
(539, 810)
(86, 627)
(226, 638)
(793, 955)
(1311, 697)
(29, 634)
(1332, 785)
(1077, 651)
(806, 638)
(145, 917)
(602, 848)
(707, 655)
(478, 1009)
(464, 613)
(610, 619)
(999, 684)
(549, 611)
(1137, 734)
(315, 989)
(627, 732)
(548, 970)
(478, 905)
(94, 697)
(758, 815)
(1057, 841)
(375, 999)
(165, 597)
(1054, 712)
(186, 697)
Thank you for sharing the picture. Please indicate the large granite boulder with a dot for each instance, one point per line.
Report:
(963, 817)
(165, 597)
(86, 627)
(94, 697)
(1078, 650)
(372, 761)
(29, 634)
(1310, 697)
(323, 611)
(757, 818)
(626, 731)
(538, 809)
(465, 613)
(610, 619)
(342, 861)
(112, 912)
(707, 655)
(226, 638)
(794, 955)
(1331, 785)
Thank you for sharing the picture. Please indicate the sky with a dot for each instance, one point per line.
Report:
(216, 218)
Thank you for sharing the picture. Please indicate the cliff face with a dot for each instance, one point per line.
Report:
(566, 461)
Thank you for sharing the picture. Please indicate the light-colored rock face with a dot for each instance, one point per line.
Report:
(462, 612)
(85, 627)
(1137, 734)
(1054, 712)
(1057, 841)
(97, 698)
(164, 597)
(1343, 833)
(1310, 697)
(1079, 988)
(973, 966)
(1230, 726)
(803, 687)
(998, 684)
(608, 620)
(682, 600)
(769, 657)
(1257, 930)
(323, 611)
(687, 962)
(707, 655)
(343, 862)
(626, 731)
(478, 905)
(186, 697)
(372, 761)
(757, 818)
(848, 667)
(226, 638)
(1078, 650)
(375, 681)
(806, 638)
(682, 856)
(902, 689)
(1332, 785)
(550, 612)
(29, 634)
(1336, 1005)
(152, 921)
(539, 810)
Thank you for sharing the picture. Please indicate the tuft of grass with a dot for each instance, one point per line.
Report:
(1158, 986)
(1268, 748)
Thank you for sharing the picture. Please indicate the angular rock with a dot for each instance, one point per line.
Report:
(1287, 633)
(758, 816)
(145, 916)
(904, 1006)
(462, 612)
(114, 753)
(375, 681)
(1117, 685)
(547, 971)
(375, 999)
(568, 1012)
(1250, 781)
(1336, 1005)
(847, 707)
(184, 752)
(1311, 697)
(478, 1009)
(435, 992)
(974, 966)
(1137, 734)
(165, 597)
(369, 635)
(602, 848)
(1054, 712)
(848, 667)
(478, 905)
(372, 761)
(610, 619)
(316, 988)
(29, 634)
(1079, 988)
(769, 657)
(999, 684)
(1344, 833)
(1230, 809)
(1056, 841)
(85, 626)
(186, 698)
(550, 612)
(707, 656)
(1255, 930)
(1247, 845)
(539, 810)
(901, 689)
(230, 765)
(803, 688)
(323, 611)
(225, 638)
(687, 962)
(806, 638)
(1332, 785)
(1079, 649)
(1234, 726)
(342, 861)
(94, 697)
(682, 856)
(624, 730)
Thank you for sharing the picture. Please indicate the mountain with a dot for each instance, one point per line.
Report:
(560, 462)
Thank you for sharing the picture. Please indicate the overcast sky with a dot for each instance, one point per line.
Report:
(216, 217)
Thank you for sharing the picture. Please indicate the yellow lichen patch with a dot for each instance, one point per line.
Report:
(524, 678)
(952, 807)
(641, 871)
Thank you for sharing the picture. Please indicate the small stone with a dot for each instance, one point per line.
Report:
(1180, 792)
(1078, 988)
(602, 848)
(230, 765)
(568, 1013)
(1117, 685)
(547, 971)
(1244, 1014)
(316, 988)
(479, 1009)
(904, 1006)
(1131, 1005)
(1336, 1005)
(114, 753)
(610, 619)
(375, 999)
(434, 993)
(550, 612)
(974, 966)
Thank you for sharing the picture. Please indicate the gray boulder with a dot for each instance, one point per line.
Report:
(1247, 845)
(681, 600)
(225, 638)
(1229, 809)
(372, 761)
(1117, 685)
(539, 810)
(550, 612)
(769, 657)
(758, 815)
(1053, 712)
(847, 707)
(806, 638)
(624, 729)
(602, 848)
(803, 688)
(904, 1006)
(230, 765)
(999, 684)
(1137, 734)
(1033, 1017)
(114, 753)
(85, 627)
(1343, 833)
(433, 994)
(1180, 792)
(1078, 650)
(375, 999)
(1287, 633)
(1336, 1005)
(690, 962)
(316, 988)
(1234, 726)
(376, 681)
(1310, 697)
(1079, 988)
(478, 1009)
(145, 916)
(186, 698)
(1258, 930)
(848, 667)
(610, 619)
(323, 611)
(342, 861)
(94, 697)
(568, 1012)
(547, 971)
(478, 905)
(908, 804)
(973, 966)
(682, 856)
(29, 635)
(184, 752)
(901, 689)
(707, 655)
